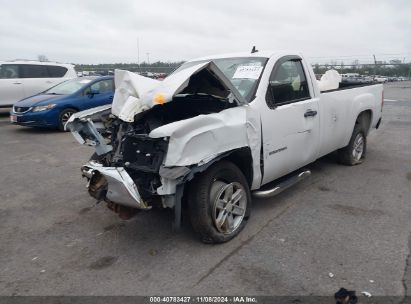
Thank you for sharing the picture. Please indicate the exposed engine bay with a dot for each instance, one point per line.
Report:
(141, 155)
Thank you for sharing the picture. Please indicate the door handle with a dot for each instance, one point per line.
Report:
(309, 113)
(17, 82)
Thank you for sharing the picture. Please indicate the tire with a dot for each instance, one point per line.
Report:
(64, 116)
(212, 217)
(99, 158)
(354, 153)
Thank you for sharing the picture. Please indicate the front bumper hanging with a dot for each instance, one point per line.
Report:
(121, 188)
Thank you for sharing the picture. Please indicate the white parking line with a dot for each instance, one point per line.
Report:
(390, 99)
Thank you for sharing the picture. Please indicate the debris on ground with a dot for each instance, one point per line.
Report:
(331, 275)
(366, 293)
(153, 252)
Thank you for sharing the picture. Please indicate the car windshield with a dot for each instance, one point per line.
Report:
(68, 87)
(243, 72)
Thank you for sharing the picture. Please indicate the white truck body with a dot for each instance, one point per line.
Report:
(279, 135)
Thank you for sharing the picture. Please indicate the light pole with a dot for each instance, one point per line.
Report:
(138, 52)
(375, 66)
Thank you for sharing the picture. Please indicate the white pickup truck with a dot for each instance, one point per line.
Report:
(218, 131)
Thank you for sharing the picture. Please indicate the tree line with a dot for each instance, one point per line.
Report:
(385, 69)
(155, 67)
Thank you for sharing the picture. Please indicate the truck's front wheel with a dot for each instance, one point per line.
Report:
(219, 203)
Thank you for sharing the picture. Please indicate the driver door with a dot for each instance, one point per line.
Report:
(290, 122)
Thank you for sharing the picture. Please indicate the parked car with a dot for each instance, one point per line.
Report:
(21, 79)
(381, 79)
(219, 130)
(53, 107)
(355, 78)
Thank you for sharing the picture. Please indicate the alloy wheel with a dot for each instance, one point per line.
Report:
(66, 116)
(358, 148)
(229, 205)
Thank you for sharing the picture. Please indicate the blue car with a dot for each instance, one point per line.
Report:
(53, 108)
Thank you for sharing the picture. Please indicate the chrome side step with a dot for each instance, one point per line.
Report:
(280, 187)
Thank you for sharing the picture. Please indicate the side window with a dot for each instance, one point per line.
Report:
(34, 71)
(9, 71)
(287, 84)
(87, 91)
(103, 86)
(56, 71)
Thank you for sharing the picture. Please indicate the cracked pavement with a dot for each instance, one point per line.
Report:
(353, 222)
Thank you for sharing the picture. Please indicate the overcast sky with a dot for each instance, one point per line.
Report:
(99, 31)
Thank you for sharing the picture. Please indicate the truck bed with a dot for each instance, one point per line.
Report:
(347, 85)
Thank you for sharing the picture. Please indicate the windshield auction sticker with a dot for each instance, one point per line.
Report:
(248, 72)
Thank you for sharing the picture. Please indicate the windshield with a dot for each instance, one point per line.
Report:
(243, 72)
(68, 87)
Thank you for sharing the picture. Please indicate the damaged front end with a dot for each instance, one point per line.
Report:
(157, 135)
(124, 169)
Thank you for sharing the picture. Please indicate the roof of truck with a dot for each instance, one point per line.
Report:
(264, 54)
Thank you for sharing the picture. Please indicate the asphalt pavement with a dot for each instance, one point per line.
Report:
(342, 227)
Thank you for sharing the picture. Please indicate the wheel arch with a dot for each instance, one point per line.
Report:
(242, 158)
(69, 106)
(365, 118)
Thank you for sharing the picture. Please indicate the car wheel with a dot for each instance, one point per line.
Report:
(64, 117)
(219, 203)
(354, 153)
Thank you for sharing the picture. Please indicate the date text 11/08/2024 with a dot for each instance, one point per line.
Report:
(203, 299)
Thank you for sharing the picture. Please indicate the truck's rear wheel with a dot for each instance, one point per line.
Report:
(354, 153)
(219, 203)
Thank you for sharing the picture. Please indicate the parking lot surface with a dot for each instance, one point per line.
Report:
(342, 227)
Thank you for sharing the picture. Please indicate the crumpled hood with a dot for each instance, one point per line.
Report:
(135, 93)
(38, 100)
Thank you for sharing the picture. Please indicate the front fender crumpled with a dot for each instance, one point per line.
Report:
(198, 140)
